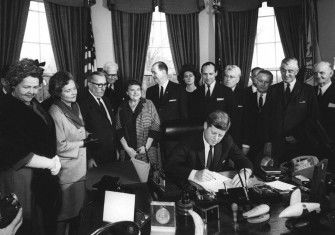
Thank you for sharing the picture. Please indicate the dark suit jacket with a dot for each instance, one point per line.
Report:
(100, 126)
(115, 96)
(254, 124)
(290, 120)
(221, 98)
(327, 110)
(174, 103)
(236, 128)
(190, 154)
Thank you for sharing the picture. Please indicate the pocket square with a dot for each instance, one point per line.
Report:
(240, 106)
(219, 99)
(331, 105)
(173, 100)
(302, 102)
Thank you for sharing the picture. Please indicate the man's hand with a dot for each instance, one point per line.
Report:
(12, 228)
(141, 150)
(203, 175)
(245, 150)
(56, 166)
(245, 176)
(290, 139)
(92, 163)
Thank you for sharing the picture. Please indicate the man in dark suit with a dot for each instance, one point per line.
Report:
(168, 97)
(253, 75)
(211, 151)
(99, 120)
(212, 95)
(232, 75)
(325, 92)
(113, 90)
(293, 105)
(256, 107)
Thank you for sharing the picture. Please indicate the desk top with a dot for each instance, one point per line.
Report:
(125, 170)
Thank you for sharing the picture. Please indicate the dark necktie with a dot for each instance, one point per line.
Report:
(319, 93)
(260, 102)
(161, 93)
(208, 93)
(209, 158)
(287, 93)
(102, 108)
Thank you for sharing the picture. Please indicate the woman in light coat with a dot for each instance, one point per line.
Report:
(71, 135)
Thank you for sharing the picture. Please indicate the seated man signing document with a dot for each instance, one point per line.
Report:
(198, 157)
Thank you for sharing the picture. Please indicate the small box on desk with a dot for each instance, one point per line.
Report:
(163, 218)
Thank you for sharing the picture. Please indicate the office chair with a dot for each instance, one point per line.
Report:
(172, 133)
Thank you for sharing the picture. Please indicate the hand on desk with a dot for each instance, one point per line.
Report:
(244, 176)
(204, 175)
(12, 228)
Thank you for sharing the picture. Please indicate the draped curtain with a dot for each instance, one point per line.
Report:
(235, 34)
(289, 21)
(297, 25)
(68, 26)
(13, 18)
(131, 32)
(183, 31)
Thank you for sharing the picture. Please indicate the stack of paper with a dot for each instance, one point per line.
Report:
(219, 182)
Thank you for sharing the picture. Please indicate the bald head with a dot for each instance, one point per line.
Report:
(323, 73)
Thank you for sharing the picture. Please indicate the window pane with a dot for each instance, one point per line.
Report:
(265, 10)
(44, 31)
(32, 34)
(41, 7)
(277, 32)
(279, 54)
(34, 6)
(48, 56)
(254, 58)
(30, 50)
(265, 29)
(266, 58)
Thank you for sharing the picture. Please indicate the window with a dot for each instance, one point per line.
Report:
(36, 41)
(159, 46)
(268, 50)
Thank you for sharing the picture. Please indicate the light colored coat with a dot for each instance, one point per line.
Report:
(72, 156)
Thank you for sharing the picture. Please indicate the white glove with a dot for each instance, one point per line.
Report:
(56, 165)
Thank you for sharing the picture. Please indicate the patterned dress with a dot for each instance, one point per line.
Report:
(137, 126)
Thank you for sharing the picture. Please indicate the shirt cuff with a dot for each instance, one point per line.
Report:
(245, 146)
(192, 174)
(248, 171)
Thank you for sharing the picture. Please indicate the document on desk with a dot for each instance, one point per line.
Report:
(279, 185)
(118, 207)
(219, 182)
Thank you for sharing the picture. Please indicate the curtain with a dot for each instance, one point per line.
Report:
(289, 21)
(131, 34)
(183, 31)
(13, 18)
(298, 31)
(235, 34)
(68, 28)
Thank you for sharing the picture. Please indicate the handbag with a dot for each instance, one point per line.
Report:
(142, 168)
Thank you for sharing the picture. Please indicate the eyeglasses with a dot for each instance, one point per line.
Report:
(100, 85)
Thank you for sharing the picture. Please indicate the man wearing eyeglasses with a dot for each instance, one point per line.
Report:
(99, 120)
(293, 107)
(113, 90)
